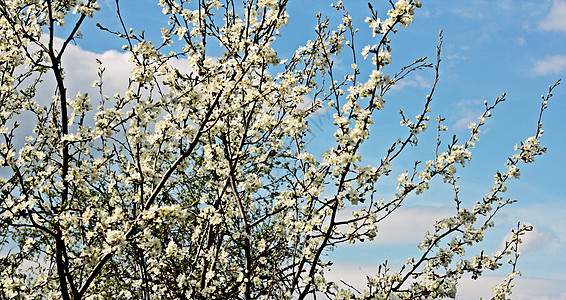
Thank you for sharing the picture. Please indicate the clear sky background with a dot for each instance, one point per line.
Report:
(490, 47)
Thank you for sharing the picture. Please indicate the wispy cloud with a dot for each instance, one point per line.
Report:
(551, 65)
(468, 14)
(425, 13)
(505, 4)
(417, 81)
(556, 19)
(467, 112)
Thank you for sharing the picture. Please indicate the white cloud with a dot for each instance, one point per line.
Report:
(469, 13)
(547, 238)
(530, 240)
(80, 65)
(425, 13)
(551, 65)
(457, 53)
(417, 81)
(526, 288)
(408, 225)
(505, 4)
(468, 112)
(80, 68)
(556, 19)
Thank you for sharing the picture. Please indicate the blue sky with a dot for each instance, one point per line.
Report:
(490, 47)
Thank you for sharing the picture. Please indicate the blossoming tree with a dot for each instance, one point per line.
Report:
(198, 183)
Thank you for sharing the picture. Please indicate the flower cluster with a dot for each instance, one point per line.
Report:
(198, 181)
